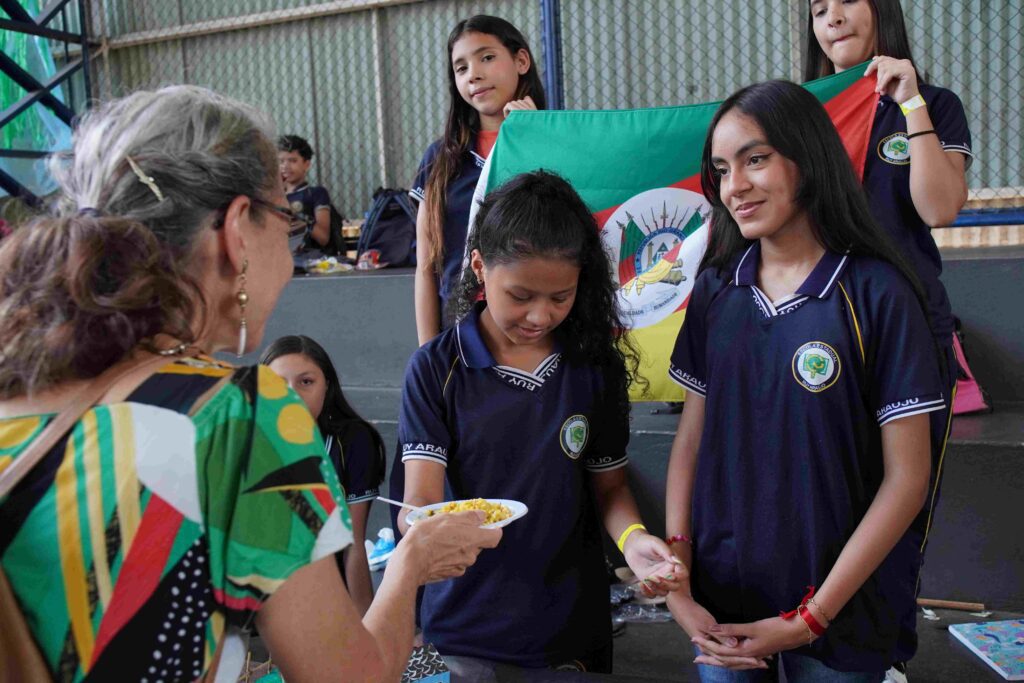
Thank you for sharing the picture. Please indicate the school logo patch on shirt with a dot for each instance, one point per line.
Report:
(574, 436)
(895, 149)
(816, 366)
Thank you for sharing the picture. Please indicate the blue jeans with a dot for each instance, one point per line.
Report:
(797, 669)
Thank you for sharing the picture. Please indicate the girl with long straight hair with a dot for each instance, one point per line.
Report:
(802, 454)
(491, 72)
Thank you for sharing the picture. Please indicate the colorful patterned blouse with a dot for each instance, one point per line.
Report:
(160, 524)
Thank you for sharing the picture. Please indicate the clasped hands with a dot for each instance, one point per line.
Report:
(735, 646)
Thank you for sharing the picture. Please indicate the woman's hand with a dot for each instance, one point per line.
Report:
(525, 104)
(702, 627)
(443, 546)
(896, 78)
(757, 640)
(659, 571)
(693, 618)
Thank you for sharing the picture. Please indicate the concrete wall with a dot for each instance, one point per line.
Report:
(366, 323)
(986, 290)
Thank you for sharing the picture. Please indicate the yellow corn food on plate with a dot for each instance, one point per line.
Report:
(496, 512)
(499, 511)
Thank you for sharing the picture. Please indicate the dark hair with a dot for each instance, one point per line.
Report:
(539, 214)
(293, 143)
(463, 121)
(799, 128)
(337, 418)
(890, 40)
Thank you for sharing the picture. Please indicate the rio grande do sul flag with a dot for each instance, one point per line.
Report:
(639, 172)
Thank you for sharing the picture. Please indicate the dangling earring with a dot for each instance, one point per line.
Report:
(243, 300)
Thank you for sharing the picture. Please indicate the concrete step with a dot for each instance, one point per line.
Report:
(976, 547)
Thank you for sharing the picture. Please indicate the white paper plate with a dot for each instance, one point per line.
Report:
(517, 508)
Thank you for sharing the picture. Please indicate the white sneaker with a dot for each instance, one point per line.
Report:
(893, 675)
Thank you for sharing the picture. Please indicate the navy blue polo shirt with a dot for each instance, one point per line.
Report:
(796, 392)
(352, 461)
(887, 182)
(307, 199)
(541, 596)
(456, 217)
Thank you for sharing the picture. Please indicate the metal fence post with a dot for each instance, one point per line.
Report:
(551, 38)
(378, 88)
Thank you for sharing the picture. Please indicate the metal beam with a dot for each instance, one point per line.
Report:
(36, 30)
(16, 11)
(53, 9)
(1013, 215)
(551, 38)
(16, 189)
(220, 26)
(20, 21)
(22, 154)
(83, 24)
(38, 92)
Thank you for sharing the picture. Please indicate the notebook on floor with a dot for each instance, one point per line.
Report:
(1000, 644)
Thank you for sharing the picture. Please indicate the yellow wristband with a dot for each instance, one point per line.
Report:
(625, 534)
(915, 102)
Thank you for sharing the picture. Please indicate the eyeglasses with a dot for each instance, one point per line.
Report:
(284, 212)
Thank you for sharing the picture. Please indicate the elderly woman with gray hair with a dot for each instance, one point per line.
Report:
(155, 502)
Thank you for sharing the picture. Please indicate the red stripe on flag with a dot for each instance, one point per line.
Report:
(692, 184)
(627, 269)
(853, 116)
(140, 573)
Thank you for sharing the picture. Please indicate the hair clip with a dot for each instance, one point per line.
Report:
(89, 211)
(145, 179)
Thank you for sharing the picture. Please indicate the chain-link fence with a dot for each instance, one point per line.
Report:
(365, 81)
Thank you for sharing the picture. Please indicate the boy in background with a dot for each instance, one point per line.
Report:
(312, 201)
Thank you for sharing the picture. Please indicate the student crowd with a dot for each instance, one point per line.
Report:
(157, 503)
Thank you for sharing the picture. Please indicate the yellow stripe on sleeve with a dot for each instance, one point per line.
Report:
(76, 591)
(128, 511)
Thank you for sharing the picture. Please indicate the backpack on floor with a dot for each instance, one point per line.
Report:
(390, 229)
(970, 397)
